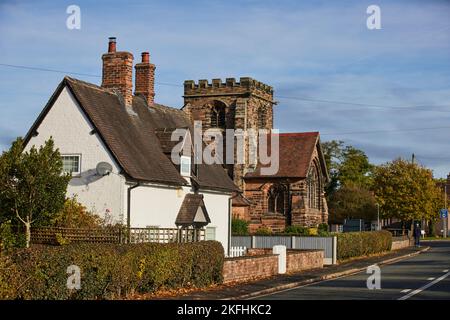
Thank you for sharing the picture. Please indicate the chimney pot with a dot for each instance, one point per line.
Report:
(145, 57)
(112, 45)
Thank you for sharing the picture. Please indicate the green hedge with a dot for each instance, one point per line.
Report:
(109, 271)
(356, 244)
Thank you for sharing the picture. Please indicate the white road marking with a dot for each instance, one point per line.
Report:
(413, 293)
(429, 279)
(446, 270)
(406, 291)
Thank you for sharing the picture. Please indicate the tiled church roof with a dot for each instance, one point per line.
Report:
(295, 155)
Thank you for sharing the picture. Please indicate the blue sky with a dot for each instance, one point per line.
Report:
(395, 81)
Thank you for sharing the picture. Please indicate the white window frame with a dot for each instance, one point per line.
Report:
(206, 233)
(185, 161)
(78, 155)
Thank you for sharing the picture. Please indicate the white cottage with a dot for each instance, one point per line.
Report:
(130, 136)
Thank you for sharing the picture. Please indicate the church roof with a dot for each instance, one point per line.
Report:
(295, 156)
(130, 135)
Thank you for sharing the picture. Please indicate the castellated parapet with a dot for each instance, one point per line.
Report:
(245, 86)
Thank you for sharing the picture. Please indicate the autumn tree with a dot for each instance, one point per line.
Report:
(407, 191)
(32, 186)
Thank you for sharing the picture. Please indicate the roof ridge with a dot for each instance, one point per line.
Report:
(90, 85)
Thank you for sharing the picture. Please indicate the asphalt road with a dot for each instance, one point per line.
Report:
(423, 277)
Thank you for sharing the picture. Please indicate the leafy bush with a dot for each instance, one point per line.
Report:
(355, 244)
(109, 271)
(75, 215)
(297, 230)
(263, 231)
(239, 227)
(9, 239)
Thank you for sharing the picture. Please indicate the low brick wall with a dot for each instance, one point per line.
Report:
(261, 263)
(249, 267)
(304, 260)
(400, 244)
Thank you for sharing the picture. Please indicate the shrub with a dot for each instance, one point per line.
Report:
(109, 271)
(297, 230)
(355, 244)
(75, 215)
(239, 227)
(323, 227)
(9, 239)
(263, 231)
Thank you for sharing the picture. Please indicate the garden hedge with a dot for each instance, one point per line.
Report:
(109, 271)
(356, 244)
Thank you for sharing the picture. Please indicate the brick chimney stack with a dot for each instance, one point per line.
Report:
(145, 79)
(118, 71)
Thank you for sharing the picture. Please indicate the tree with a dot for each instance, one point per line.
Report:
(352, 202)
(347, 165)
(32, 186)
(407, 191)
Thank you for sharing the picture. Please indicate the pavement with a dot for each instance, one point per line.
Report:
(400, 270)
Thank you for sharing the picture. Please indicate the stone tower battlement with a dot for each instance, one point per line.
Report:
(245, 86)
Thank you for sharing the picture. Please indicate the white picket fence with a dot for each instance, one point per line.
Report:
(237, 252)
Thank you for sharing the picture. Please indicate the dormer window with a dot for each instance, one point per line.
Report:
(185, 166)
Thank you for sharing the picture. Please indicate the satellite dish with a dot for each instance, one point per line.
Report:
(103, 169)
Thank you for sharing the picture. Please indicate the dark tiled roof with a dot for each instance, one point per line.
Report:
(129, 133)
(240, 201)
(188, 209)
(296, 151)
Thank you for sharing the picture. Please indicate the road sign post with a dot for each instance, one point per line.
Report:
(444, 216)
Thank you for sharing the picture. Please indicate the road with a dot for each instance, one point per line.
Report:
(423, 277)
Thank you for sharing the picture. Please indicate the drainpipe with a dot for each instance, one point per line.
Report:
(129, 207)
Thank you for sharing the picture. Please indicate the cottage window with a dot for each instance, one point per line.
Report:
(210, 233)
(313, 187)
(71, 164)
(276, 199)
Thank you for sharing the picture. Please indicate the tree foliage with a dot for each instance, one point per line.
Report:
(352, 202)
(407, 191)
(32, 186)
(348, 192)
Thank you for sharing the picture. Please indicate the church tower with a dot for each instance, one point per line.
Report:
(247, 104)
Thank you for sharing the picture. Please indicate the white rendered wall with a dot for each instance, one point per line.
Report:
(158, 207)
(70, 130)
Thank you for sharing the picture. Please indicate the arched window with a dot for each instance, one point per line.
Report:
(276, 199)
(261, 117)
(218, 115)
(313, 188)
